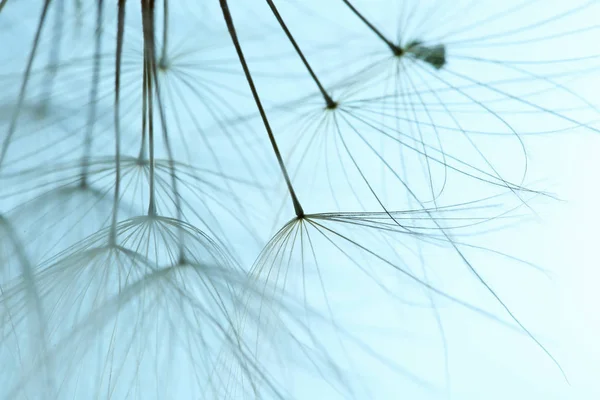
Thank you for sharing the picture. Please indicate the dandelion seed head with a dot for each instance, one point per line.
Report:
(281, 200)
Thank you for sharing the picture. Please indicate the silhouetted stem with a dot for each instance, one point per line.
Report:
(397, 50)
(163, 56)
(330, 103)
(26, 75)
(120, 34)
(151, 74)
(149, 59)
(142, 153)
(87, 144)
(231, 28)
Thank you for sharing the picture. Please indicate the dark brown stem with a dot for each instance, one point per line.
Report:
(397, 50)
(328, 100)
(149, 61)
(119, 55)
(231, 27)
(164, 61)
(142, 153)
(153, 89)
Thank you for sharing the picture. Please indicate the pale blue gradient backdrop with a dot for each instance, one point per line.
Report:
(488, 361)
(560, 307)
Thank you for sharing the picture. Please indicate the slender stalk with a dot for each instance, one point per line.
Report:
(119, 55)
(231, 28)
(26, 75)
(330, 103)
(87, 144)
(151, 201)
(149, 61)
(142, 153)
(163, 62)
(397, 50)
(152, 73)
